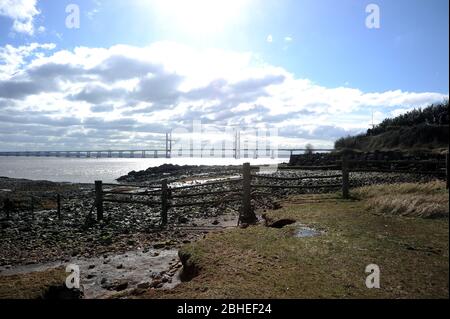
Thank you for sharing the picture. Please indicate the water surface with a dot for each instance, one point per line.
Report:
(88, 170)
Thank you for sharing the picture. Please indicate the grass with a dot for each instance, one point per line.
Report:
(31, 285)
(429, 200)
(263, 262)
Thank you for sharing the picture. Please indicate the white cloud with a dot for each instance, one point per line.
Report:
(288, 39)
(13, 58)
(110, 92)
(22, 12)
(269, 38)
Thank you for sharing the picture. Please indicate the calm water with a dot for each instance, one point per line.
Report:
(82, 170)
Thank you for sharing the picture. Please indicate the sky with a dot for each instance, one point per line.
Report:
(106, 74)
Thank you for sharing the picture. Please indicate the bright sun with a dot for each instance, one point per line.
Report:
(200, 16)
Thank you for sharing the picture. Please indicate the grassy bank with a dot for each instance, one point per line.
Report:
(264, 262)
(36, 285)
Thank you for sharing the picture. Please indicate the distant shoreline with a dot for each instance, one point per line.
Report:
(81, 170)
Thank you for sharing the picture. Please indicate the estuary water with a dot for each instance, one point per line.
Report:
(88, 170)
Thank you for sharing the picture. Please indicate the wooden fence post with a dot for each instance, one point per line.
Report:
(32, 205)
(345, 178)
(7, 206)
(164, 202)
(248, 215)
(58, 202)
(446, 169)
(99, 199)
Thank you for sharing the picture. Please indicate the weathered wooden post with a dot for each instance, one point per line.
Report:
(99, 199)
(345, 177)
(248, 215)
(446, 170)
(32, 205)
(58, 202)
(164, 202)
(7, 207)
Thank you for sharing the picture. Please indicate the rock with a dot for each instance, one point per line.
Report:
(75, 253)
(138, 292)
(159, 245)
(91, 267)
(143, 285)
(117, 285)
(120, 266)
(155, 275)
(215, 222)
(182, 220)
(156, 284)
(120, 285)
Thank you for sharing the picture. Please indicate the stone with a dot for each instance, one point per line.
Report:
(156, 284)
(143, 285)
(138, 292)
(159, 245)
(120, 285)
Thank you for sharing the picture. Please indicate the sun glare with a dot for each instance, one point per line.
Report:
(200, 16)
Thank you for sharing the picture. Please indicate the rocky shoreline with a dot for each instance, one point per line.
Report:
(40, 236)
(33, 236)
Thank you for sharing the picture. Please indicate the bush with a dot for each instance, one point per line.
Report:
(419, 128)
